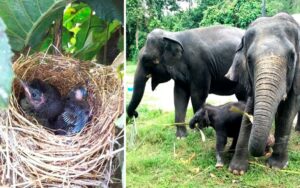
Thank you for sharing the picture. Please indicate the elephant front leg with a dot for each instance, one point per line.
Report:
(239, 162)
(283, 123)
(181, 100)
(199, 94)
(220, 145)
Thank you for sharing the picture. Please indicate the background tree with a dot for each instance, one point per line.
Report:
(143, 16)
(238, 13)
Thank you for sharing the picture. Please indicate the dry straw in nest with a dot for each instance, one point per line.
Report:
(32, 156)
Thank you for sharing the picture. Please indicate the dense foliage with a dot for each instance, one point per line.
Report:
(237, 13)
(144, 16)
(85, 35)
(85, 29)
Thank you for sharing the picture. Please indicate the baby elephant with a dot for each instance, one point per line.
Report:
(225, 122)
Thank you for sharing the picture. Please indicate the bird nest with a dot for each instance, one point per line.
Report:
(32, 156)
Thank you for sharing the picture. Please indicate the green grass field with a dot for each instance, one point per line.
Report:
(155, 158)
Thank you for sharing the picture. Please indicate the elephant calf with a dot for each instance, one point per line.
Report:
(226, 123)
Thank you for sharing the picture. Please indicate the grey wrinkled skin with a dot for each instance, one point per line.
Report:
(267, 64)
(197, 60)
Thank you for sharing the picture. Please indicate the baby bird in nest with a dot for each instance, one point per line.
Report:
(76, 112)
(41, 99)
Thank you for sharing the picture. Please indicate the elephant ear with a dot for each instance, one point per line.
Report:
(296, 82)
(154, 83)
(238, 70)
(173, 50)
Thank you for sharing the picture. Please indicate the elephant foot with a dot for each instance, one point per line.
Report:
(219, 165)
(277, 162)
(181, 132)
(238, 167)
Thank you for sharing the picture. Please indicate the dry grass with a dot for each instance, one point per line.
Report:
(32, 156)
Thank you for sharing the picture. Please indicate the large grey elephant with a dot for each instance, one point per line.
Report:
(197, 60)
(267, 64)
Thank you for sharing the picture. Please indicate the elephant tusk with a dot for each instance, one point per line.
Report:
(156, 61)
(149, 76)
(202, 135)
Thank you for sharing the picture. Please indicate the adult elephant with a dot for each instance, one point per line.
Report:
(197, 60)
(267, 63)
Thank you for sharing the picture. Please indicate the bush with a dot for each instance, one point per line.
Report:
(238, 13)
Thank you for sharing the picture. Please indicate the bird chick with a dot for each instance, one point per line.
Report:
(78, 93)
(41, 99)
(76, 112)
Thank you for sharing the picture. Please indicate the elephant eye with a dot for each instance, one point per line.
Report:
(291, 56)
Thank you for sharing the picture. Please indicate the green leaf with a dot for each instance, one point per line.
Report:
(107, 10)
(120, 71)
(82, 35)
(29, 20)
(43, 47)
(66, 36)
(76, 14)
(6, 75)
(97, 37)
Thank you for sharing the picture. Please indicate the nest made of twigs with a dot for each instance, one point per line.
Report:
(32, 156)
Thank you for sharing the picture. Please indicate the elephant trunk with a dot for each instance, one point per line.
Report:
(270, 89)
(140, 79)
